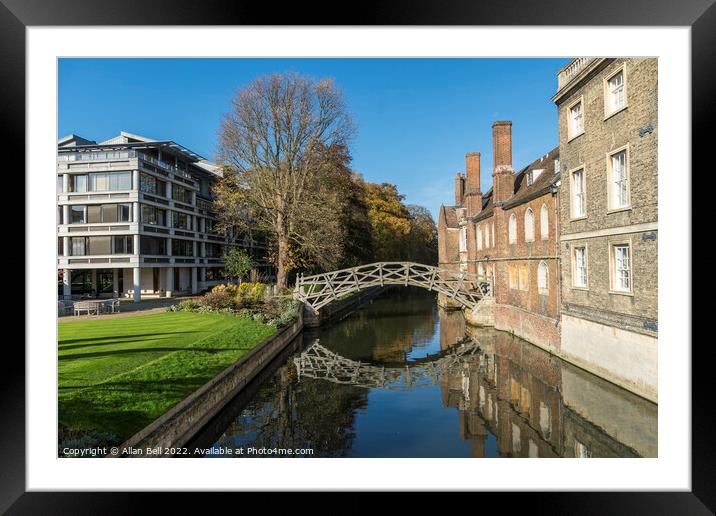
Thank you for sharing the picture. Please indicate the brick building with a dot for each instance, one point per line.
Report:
(510, 233)
(608, 131)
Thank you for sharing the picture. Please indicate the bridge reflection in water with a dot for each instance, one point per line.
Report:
(402, 378)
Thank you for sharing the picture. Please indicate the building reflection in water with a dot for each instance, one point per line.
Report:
(537, 405)
(512, 399)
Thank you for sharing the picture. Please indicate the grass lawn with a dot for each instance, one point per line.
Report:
(118, 375)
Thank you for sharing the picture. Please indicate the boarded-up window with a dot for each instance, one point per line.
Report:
(544, 222)
(542, 278)
(529, 225)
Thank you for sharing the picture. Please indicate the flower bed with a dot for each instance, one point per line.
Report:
(254, 300)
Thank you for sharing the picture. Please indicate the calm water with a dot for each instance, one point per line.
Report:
(403, 378)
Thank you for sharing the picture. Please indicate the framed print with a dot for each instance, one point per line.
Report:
(423, 249)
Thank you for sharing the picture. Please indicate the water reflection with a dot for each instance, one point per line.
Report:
(402, 378)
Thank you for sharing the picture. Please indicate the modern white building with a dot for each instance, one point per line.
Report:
(135, 219)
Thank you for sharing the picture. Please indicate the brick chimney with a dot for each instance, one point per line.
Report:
(503, 178)
(473, 195)
(459, 189)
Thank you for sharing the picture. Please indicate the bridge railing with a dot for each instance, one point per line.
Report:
(319, 289)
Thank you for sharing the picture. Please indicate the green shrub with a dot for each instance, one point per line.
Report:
(188, 305)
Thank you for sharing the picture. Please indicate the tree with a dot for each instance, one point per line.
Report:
(238, 263)
(283, 136)
(423, 236)
(389, 219)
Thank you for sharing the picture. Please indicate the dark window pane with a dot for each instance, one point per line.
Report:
(124, 212)
(77, 214)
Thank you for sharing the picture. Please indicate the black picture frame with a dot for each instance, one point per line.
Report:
(17, 15)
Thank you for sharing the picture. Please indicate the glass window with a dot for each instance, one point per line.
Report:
(622, 268)
(620, 180)
(77, 214)
(59, 184)
(79, 183)
(152, 185)
(479, 237)
(580, 267)
(122, 244)
(154, 216)
(576, 119)
(463, 239)
(181, 194)
(182, 247)
(616, 92)
(77, 246)
(104, 181)
(487, 236)
(181, 220)
(153, 245)
(124, 212)
(578, 207)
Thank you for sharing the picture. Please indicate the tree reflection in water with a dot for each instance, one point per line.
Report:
(446, 390)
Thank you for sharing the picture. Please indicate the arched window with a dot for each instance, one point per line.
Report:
(544, 222)
(542, 278)
(479, 237)
(512, 228)
(529, 225)
(487, 236)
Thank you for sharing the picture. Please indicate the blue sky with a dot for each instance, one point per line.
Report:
(416, 117)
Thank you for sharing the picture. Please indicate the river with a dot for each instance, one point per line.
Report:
(401, 377)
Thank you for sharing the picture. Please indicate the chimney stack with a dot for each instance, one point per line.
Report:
(502, 143)
(472, 191)
(503, 178)
(459, 189)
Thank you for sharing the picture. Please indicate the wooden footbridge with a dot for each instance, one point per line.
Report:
(321, 363)
(465, 288)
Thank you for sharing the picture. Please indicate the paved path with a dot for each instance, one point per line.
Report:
(129, 308)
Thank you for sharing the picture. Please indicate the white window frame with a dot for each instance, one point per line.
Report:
(571, 132)
(512, 228)
(478, 230)
(608, 110)
(573, 254)
(486, 235)
(492, 224)
(572, 193)
(613, 267)
(544, 222)
(529, 225)
(611, 186)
